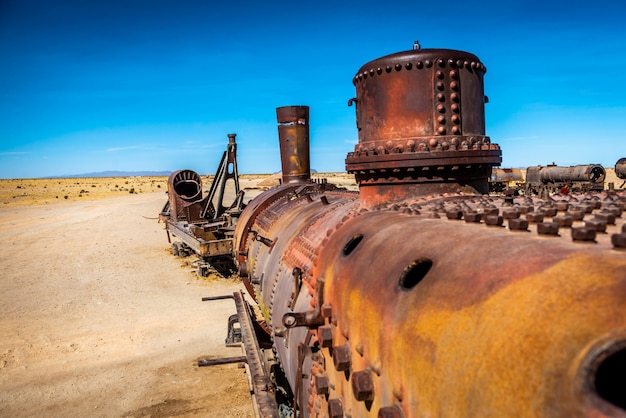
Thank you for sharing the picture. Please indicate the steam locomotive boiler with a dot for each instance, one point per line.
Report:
(421, 295)
(552, 178)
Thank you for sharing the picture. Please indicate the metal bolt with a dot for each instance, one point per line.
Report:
(335, 408)
(363, 385)
(390, 412)
(583, 234)
(325, 335)
(321, 384)
(597, 224)
(342, 357)
(534, 217)
(493, 220)
(518, 224)
(289, 321)
(619, 240)
(548, 228)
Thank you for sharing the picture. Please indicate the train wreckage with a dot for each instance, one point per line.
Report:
(422, 295)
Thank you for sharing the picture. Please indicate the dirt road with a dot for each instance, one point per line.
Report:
(98, 319)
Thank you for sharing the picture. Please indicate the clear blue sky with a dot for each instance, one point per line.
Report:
(89, 86)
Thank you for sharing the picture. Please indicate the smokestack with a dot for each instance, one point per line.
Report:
(293, 135)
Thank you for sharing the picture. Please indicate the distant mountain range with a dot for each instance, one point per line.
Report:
(115, 174)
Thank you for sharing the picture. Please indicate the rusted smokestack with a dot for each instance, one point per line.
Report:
(421, 122)
(293, 134)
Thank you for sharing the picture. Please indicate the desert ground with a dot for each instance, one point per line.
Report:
(97, 318)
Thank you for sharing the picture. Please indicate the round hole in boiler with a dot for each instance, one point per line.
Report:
(415, 273)
(352, 244)
(610, 379)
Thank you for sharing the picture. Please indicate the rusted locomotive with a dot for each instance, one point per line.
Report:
(620, 170)
(553, 178)
(421, 295)
(503, 178)
(204, 224)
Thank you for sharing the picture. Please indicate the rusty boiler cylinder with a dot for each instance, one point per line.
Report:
(411, 299)
(420, 114)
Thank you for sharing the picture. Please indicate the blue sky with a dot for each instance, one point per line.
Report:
(90, 86)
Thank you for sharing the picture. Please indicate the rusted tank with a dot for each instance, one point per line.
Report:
(421, 295)
(575, 178)
(620, 168)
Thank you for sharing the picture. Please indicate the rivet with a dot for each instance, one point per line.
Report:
(342, 357)
(363, 385)
(576, 215)
(606, 216)
(494, 220)
(455, 119)
(325, 335)
(408, 65)
(472, 217)
(454, 74)
(562, 206)
(335, 408)
(322, 384)
(583, 234)
(359, 349)
(456, 130)
(441, 108)
(390, 412)
(619, 240)
(441, 97)
(548, 228)
(377, 367)
(439, 75)
(454, 214)
(454, 97)
(459, 63)
(441, 130)
(398, 67)
(451, 62)
(441, 62)
(597, 224)
(441, 119)
(440, 85)
(534, 217)
(466, 64)
(454, 85)
(511, 213)
(563, 220)
(419, 65)
(428, 63)
(379, 70)
(473, 65)
(454, 107)
(388, 68)
(518, 224)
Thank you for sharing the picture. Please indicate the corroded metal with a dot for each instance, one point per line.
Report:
(293, 134)
(421, 126)
(422, 296)
(203, 224)
(620, 168)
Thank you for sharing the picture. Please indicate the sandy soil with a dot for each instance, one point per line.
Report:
(98, 319)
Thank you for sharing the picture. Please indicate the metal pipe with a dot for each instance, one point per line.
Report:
(293, 134)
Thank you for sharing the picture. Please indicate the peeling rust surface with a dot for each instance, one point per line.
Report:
(422, 295)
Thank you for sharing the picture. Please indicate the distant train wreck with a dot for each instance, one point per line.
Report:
(204, 225)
